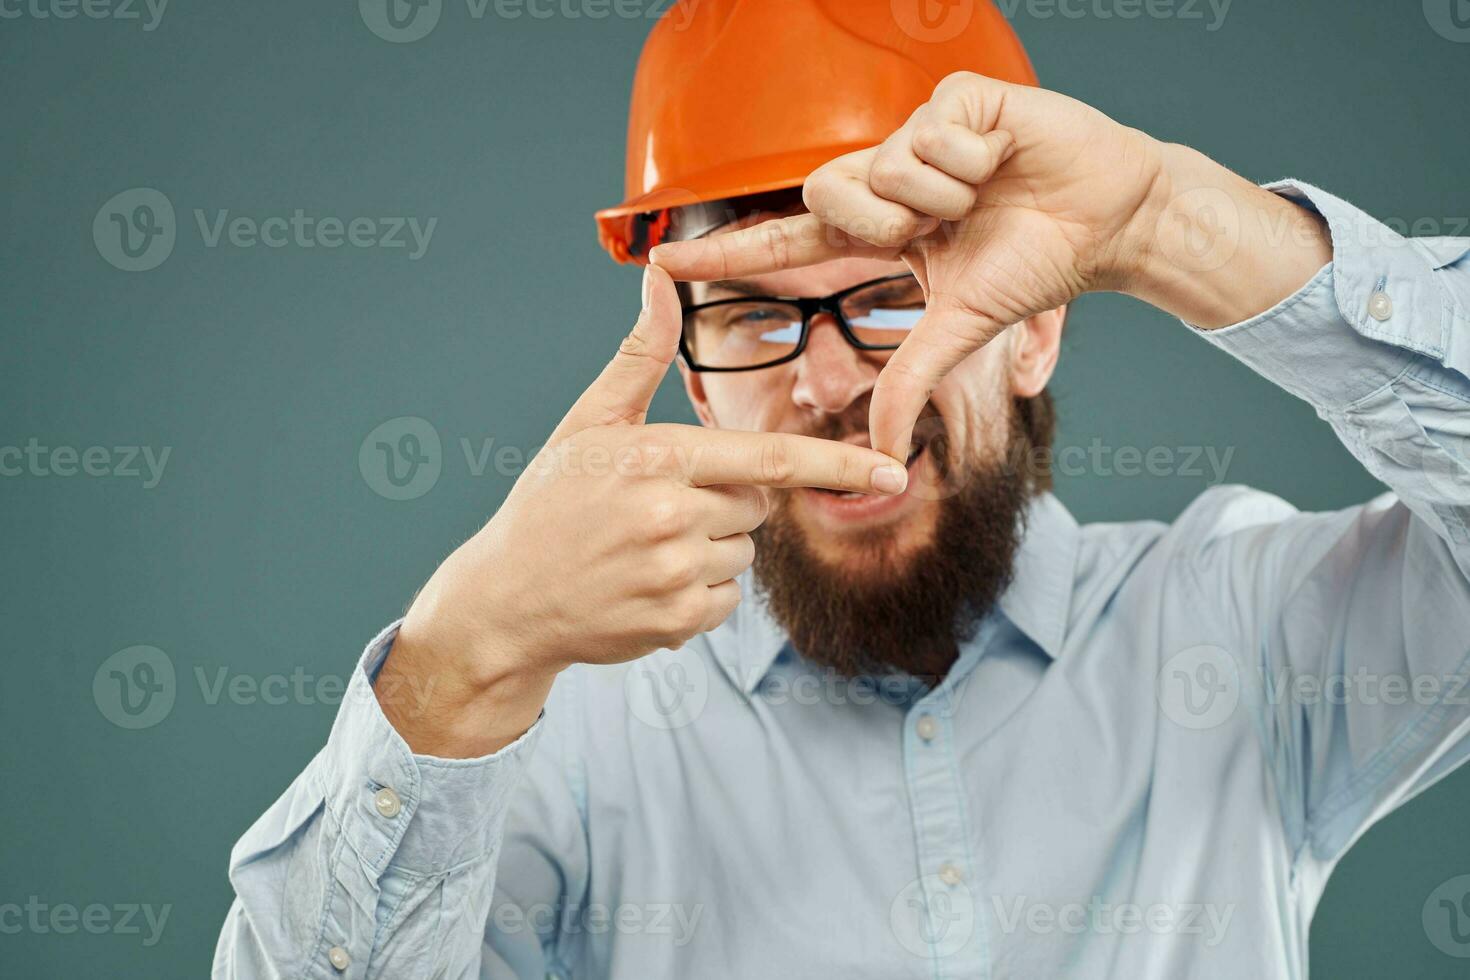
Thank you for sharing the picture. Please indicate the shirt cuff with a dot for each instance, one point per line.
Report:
(436, 814)
(1356, 325)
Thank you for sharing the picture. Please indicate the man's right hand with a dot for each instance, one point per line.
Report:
(621, 538)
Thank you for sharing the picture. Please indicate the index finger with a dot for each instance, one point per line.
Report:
(780, 459)
(780, 243)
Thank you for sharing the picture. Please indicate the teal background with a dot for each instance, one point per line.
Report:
(264, 551)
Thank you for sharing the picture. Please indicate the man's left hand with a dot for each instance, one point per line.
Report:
(1008, 201)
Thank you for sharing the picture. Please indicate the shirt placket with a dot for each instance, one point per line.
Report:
(952, 929)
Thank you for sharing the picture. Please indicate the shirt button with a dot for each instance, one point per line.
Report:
(950, 875)
(387, 803)
(339, 959)
(1380, 307)
(927, 727)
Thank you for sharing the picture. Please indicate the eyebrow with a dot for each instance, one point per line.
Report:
(741, 287)
(744, 287)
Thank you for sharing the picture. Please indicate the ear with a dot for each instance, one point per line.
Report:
(1034, 352)
(694, 388)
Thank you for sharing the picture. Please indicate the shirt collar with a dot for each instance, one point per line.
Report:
(1443, 252)
(1037, 602)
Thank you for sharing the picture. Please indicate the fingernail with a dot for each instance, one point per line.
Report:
(647, 285)
(890, 479)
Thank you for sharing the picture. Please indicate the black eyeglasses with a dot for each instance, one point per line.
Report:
(754, 332)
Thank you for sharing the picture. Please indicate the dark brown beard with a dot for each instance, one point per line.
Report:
(902, 613)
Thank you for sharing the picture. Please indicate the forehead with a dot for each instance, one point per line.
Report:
(816, 280)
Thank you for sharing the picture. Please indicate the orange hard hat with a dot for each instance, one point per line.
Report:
(737, 97)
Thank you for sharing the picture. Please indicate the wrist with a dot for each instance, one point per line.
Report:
(445, 705)
(454, 686)
(1212, 248)
(1138, 250)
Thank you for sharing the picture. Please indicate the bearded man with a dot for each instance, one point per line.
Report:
(832, 684)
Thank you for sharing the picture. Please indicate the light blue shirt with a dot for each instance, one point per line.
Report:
(1145, 765)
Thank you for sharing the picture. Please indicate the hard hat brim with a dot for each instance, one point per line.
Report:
(739, 178)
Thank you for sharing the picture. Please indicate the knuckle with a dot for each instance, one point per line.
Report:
(664, 518)
(634, 344)
(760, 506)
(845, 472)
(675, 570)
(776, 465)
(687, 614)
(888, 178)
(929, 140)
(962, 205)
(818, 191)
(762, 510)
(957, 80)
(779, 242)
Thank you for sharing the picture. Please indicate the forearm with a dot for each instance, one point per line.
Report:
(1214, 249)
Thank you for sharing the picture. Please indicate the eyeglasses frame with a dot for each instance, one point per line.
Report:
(810, 306)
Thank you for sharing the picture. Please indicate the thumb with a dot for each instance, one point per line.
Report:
(944, 337)
(622, 392)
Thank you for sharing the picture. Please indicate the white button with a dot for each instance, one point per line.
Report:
(927, 727)
(950, 875)
(339, 959)
(387, 803)
(1380, 307)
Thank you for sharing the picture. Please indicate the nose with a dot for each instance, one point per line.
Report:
(831, 374)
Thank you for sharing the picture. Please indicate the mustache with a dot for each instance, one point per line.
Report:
(853, 420)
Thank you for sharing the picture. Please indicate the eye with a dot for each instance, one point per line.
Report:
(756, 317)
